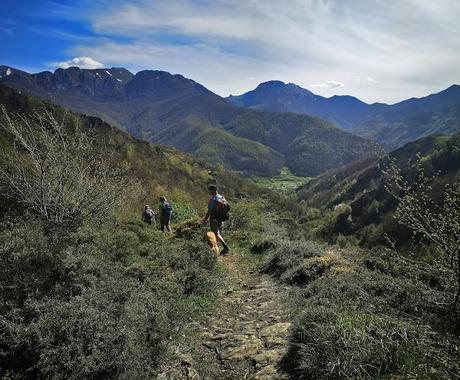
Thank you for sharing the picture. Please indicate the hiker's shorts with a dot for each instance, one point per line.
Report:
(164, 223)
(216, 226)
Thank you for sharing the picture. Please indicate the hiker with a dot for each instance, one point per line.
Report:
(217, 213)
(148, 215)
(165, 214)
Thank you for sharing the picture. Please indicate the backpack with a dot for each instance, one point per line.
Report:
(222, 210)
(148, 214)
(166, 210)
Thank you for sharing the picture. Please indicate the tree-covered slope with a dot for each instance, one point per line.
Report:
(355, 202)
(309, 144)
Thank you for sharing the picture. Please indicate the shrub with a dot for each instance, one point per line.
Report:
(91, 304)
(182, 212)
(307, 271)
(287, 255)
(263, 246)
(370, 318)
(431, 212)
(346, 343)
(57, 172)
(342, 241)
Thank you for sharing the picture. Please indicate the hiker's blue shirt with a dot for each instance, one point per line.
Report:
(213, 201)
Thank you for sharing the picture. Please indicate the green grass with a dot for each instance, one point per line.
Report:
(284, 181)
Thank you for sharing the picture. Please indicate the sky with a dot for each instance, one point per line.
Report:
(378, 51)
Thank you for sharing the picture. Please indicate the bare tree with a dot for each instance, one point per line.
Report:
(434, 216)
(56, 170)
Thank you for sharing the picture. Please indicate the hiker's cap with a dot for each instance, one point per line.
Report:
(212, 188)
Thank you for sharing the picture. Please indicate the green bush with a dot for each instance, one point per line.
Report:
(367, 315)
(98, 303)
(182, 212)
(287, 256)
(346, 343)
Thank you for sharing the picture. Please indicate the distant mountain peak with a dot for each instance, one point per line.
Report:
(271, 84)
(274, 85)
(347, 98)
(277, 96)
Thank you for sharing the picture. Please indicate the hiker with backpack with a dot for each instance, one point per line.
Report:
(218, 212)
(148, 216)
(165, 214)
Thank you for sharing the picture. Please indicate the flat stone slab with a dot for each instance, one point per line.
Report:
(244, 351)
(269, 357)
(275, 329)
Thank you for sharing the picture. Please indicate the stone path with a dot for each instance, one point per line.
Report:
(250, 341)
(246, 337)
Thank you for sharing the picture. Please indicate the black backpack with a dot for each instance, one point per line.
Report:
(166, 210)
(222, 210)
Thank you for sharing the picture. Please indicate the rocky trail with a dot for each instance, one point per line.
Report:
(246, 336)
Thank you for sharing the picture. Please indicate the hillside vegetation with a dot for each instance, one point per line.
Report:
(437, 114)
(361, 314)
(310, 145)
(390, 308)
(85, 286)
(353, 201)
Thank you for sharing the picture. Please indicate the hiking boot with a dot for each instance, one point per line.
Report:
(225, 250)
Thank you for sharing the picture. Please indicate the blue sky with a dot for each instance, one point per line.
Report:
(376, 50)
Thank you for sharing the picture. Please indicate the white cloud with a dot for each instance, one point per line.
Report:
(81, 62)
(328, 83)
(411, 46)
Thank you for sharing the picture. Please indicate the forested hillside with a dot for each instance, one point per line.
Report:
(160, 168)
(176, 111)
(304, 141)
(353, 201)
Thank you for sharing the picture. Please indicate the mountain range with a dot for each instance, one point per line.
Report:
(391, 125)
(179, 112)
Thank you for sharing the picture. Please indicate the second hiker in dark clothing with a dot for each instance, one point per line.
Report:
(148, 215)
(213, 214)
(165, 214)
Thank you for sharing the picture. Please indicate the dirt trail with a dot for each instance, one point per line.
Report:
(246, 337)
